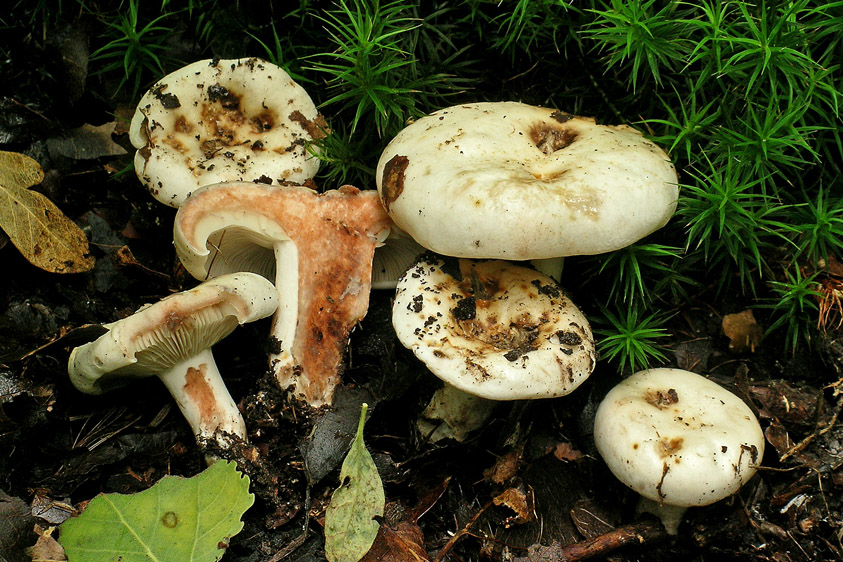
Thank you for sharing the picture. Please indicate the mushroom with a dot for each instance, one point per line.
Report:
(678, 439)
(398, 253)
(493, 329)
(506, 180)
(172, 340)
(223, 120)
(317, 247)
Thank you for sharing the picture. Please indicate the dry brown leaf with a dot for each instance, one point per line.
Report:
(565, 452)
(521, 502)
(404, 543)
(46, 549)
(39, 230)
(505, 467)
(86, 142)
(743, 331)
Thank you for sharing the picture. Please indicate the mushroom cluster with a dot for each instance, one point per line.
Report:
(465, 198)
(226, 141)
(509, 181)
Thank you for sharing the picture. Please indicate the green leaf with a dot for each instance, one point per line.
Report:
(176, 520)
(350, 525)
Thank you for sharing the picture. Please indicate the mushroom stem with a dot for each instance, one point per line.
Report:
(458, 413)
(285, 320)
(552, 267)
(203, 399)
(670, 515)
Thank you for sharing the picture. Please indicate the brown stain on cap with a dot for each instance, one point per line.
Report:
(667, 447)
(392, 182)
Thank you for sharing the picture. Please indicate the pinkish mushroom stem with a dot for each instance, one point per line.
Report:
(199, 390)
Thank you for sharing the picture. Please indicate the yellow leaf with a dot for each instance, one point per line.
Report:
(39, 230)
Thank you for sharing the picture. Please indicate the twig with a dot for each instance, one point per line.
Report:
(294, 544)
(804, 443)
(461, 533)
(636, 533)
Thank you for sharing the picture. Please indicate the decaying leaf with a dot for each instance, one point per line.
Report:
(403, 543)
(39, 230)
(521, 501)
(350, 519)
(15, 526)
(86, 142)
(46, 548)
(743, 331)
(565, 452)
(505, 467)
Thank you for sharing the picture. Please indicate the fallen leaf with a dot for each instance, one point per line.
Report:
(350, 519)
(46, 548)
(778, 437)
(521, 502)
(743, 331)
(505, 467)
(54, 512)
(404, 543)
(37, 228)
(15, 527)
(176, 520)
(86, 143)
(565, 452)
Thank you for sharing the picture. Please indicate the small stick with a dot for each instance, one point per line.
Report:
(461, 533)
(635, 533)
(804, 443)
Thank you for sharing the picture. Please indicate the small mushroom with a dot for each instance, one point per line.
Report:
(172, 340)
(678, 439)
(491, 329)
(223, 120)
(317, 247)
(506, 180)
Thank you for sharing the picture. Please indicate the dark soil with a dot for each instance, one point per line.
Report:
(527, 484)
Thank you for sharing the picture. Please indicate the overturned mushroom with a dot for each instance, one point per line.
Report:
(317, 247)
(223, 120)
(172, 340)
(678, 439)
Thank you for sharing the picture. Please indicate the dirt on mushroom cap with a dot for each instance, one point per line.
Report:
(492, 328)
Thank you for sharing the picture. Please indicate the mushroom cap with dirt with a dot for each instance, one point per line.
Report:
(172, 339)
(678, 439)
(223, 120)
(507, 180)
(318, 249)
(493, 329)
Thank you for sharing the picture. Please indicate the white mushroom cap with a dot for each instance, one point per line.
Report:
(512, 181)
(492, 328)
(171, 339)
(678, 438)
(223, 120)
